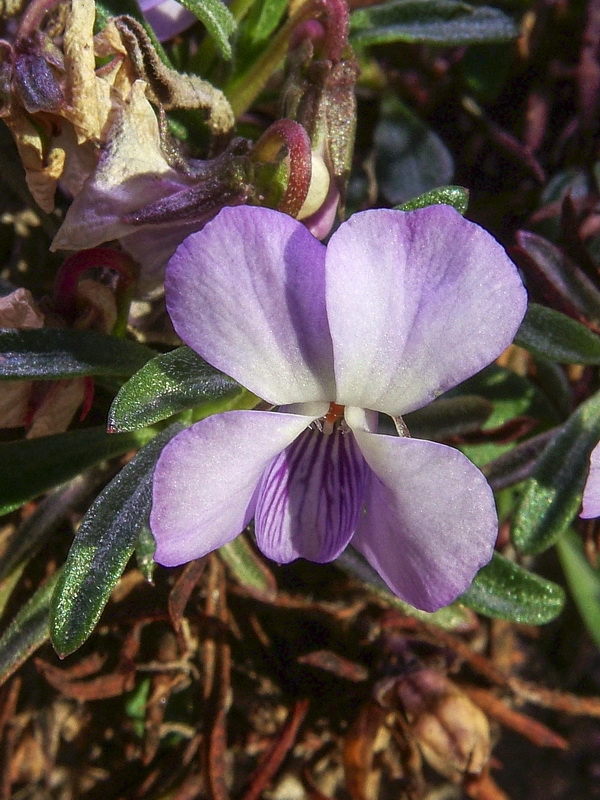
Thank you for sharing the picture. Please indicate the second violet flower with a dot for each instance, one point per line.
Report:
(397, 309)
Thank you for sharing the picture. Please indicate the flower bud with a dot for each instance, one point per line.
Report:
(318, 189)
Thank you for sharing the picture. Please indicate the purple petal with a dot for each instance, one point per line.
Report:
(416, 302)
(167, 17)
(430, 521)
(591, 492)
(310, 498)
(248, 293)
(206, 478)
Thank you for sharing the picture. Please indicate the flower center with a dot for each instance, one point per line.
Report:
(334, 415)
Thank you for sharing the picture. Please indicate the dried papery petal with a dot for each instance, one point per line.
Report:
(89, 97)
(452, 732)
(17, 310)
(169, 88)
(53, 411)
(310, 498)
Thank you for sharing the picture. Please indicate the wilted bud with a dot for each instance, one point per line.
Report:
(319, 92)
(451, 731)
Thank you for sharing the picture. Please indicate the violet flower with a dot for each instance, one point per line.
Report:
(167, 17)
(591, 492)
(398, 308)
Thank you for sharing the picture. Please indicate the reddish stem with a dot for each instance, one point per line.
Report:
(72, 269)
(292, 135)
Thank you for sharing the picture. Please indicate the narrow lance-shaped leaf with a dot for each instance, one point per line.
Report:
(53, 354)
(550, 334)
(33, 466)
(167, 385)
(449, 416)
(264, 18)
(505, 590)
(27, 631)
(102, 547)
(410, 158)
(583, 581)
(444, 22)
(455, 196)
(248, 567)
(552, 495)
(217, 19)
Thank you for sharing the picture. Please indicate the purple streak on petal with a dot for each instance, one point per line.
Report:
(167, 17)
(248, 293)
(310, 498)
(321, 222)
(416, 302)
(591, 492)
(430, 521)
(206, 478)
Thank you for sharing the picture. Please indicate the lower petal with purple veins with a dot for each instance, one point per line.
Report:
(310, 498)
(430, 521)
(206, 478)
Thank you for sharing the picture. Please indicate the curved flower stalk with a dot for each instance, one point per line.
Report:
(398, 308)
(591, 492)
(167, 17)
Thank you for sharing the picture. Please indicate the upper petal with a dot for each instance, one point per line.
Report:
(310, 498)
(248, 293)
(206, 477)
(416, 302)
(430, 522)
(591, 492)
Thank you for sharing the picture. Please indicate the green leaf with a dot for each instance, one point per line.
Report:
(505, 590)
(454, 196)
(550, 334)
(102, 547)
(32, 466)
(144, 552)
(53, 354)
(444, 22)
(516, 464)
(552, 495)
(36, 529)
(410, 159)
(583, 581)
(27, 631)
(567, 280)
(247, 567)
(511, 396)
(264, 18)
(449, 416)
(217, 19)
(167, 385)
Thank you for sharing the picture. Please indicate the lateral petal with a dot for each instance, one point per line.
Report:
(591, 492)
(416, 302)
(206, 477)
(310, 497)
(430, 521)
(248, 293)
